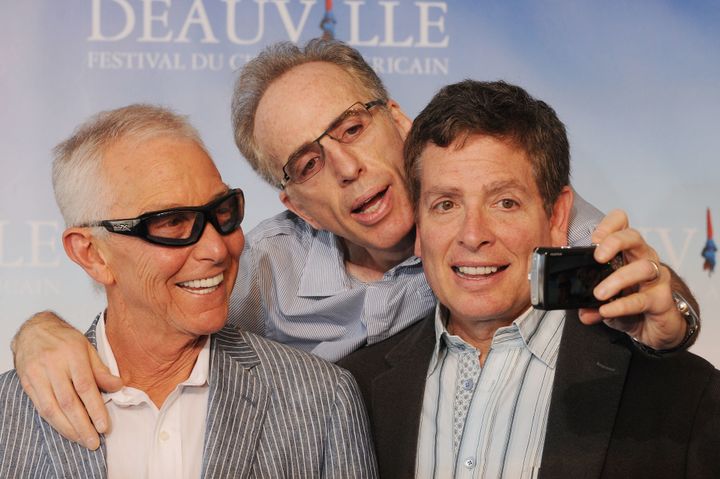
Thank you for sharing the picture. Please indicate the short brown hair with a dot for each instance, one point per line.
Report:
(500, 110)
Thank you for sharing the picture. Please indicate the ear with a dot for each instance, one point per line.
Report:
(418, 249)
(83, 248)
(560, 218)
(401, 120)
(298, 210)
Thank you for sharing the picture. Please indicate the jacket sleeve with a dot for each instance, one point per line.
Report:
(349, 451)
(703, 458)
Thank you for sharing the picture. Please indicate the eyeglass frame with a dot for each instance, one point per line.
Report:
(286, 177)
(136, 226)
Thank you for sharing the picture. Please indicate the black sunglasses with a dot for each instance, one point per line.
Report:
(181, 226)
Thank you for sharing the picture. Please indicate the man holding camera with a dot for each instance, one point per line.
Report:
(486, 386)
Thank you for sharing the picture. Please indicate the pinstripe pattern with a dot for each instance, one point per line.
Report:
(294, 288)
(273, 412)
(278, 412)
(506, 423)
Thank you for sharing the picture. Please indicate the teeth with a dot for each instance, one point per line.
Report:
(203, 286)
(477, 270)
(372, 204)
(371, 209)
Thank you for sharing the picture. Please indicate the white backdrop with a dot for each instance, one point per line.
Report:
(637, 83)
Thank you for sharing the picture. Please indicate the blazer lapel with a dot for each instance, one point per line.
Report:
(400, 391)
(587, 390)
(236, 407)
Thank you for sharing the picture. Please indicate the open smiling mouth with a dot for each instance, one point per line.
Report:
(478, 271)
(372, 204)
(202, 286)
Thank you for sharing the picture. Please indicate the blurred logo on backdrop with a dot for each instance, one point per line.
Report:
(710, 249)
(217, 35)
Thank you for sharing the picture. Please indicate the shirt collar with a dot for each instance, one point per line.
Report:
(131, 396)
(324, 272)
(538, 331)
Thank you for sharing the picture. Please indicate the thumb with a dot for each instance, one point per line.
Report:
(105, 380)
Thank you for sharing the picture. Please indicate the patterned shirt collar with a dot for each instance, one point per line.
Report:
(534, 329)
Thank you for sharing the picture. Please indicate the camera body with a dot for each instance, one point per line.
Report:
(564, 277)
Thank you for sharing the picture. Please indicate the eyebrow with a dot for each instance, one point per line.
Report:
(301, 149)
(180, 206)
(492, 188)
(339, 119)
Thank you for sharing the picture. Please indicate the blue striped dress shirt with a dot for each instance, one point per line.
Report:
(504, 431)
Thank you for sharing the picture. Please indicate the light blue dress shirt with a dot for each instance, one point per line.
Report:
(292, 287)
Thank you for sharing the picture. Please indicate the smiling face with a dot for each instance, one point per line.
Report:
(359, 194)
(165, 291)
(480, 215)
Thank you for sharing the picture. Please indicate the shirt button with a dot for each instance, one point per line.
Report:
(469, 463)
(164, 436)
(468, 384)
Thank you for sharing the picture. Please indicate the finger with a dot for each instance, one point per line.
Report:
(72, 407)
(90, 394)
(631, 325)
(628, 241)
(614, 221)
(638, 274)
(105, 380)
(589, 316)
(42, 397)
(630, 305)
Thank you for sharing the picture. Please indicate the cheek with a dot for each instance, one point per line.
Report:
(155, 272)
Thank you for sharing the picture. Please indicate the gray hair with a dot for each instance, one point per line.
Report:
(81, 189)
(274, 61)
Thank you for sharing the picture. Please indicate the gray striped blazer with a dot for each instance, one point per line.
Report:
(273, 412)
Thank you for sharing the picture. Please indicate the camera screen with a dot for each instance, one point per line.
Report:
(570, 284)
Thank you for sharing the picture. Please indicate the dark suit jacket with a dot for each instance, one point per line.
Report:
(614, 412)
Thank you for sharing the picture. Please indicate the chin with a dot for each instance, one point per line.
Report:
(210, 322)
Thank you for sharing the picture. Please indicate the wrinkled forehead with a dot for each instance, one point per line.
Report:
(158, 173)
(299, 105)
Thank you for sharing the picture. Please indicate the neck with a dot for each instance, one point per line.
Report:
(153, 363)
(479, 334)
(367, 264)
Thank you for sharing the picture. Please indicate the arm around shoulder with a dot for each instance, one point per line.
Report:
(60, 372)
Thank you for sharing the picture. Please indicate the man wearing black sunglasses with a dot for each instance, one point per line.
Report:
(199, 399)
(181, 226)
(336, 271)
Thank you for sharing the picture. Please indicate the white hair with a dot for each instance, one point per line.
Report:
(82, 191)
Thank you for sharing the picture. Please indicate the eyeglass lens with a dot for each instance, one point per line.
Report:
(185, 224)
(346, 129)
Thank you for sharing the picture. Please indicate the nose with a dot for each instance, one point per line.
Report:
(212, 245)
(475, 231)
(346, 165)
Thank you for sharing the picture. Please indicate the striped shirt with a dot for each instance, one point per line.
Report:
(504, 430)
(293, 288)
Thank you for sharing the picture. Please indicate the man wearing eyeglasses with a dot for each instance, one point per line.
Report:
(336, 271)
(199, 399)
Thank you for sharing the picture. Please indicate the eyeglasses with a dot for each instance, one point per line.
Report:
(181, 226)
(347, 128)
